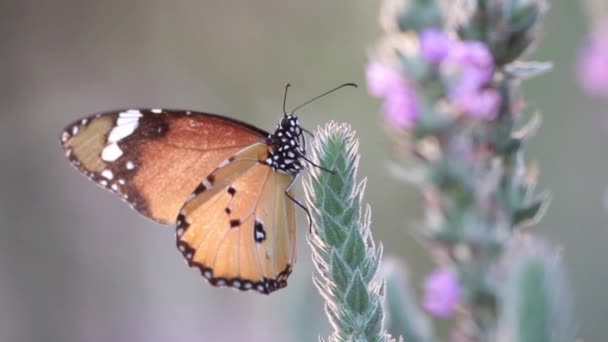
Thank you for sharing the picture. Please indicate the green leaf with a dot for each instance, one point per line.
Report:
(375, 320)
(526, 70)
(340, 272)
(525, 18)
(357, 298)
(354, 249)
(532, 211)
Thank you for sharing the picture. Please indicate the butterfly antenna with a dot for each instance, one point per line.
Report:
(285, 98)
(320, 96)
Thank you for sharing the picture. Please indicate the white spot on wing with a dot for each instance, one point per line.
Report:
(74, 130)
(111, 152)
(107, 174)
(156, 111)
(122, 131)
(130, 165)
(65, 136)
(125, 125)
(133, 113)
(123, 120)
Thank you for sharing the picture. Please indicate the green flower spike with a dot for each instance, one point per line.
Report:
(343, 250)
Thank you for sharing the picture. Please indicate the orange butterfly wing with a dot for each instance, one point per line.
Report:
(238, 227)
(154, 158)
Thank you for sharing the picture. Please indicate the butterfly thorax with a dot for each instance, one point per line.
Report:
(285, 150)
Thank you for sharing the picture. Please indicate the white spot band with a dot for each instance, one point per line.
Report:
(111, 152)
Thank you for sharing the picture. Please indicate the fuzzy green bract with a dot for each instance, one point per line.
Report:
(535, 294)
(344, 253)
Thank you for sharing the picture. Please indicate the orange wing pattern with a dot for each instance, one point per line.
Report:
(154, 158)
(238, 227)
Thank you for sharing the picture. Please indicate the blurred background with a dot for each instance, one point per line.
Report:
(76, 264)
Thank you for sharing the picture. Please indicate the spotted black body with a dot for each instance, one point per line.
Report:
(287, 146)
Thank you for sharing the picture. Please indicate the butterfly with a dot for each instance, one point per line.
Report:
(226, 185)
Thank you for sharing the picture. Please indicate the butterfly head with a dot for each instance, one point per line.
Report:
(287, 146)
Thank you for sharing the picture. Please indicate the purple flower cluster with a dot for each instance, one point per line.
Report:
(467, 67)
(400, 107)
(441, 293)
(592, 66)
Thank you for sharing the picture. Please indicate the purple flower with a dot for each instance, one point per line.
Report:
(401, 108)
(467, 80)
(441, 293)
(592, 68)
(434, 45)
(467, 70)
(473, 59)
(483, 104)
(383, 80)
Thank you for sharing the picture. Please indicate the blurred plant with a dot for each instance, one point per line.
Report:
(592, 65)
(449, 75)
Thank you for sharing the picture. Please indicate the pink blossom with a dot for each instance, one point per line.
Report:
(472, 53)
(401, 108)
(434, 45)
(472, 58)
(592, 68)
(469, 80)
(442, 293)
(383, 79)
(468, 69)
(483, 104)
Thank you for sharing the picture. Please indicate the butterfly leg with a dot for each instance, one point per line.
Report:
(304, 208)
(299, 204)
(316, 165)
